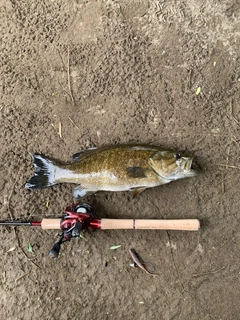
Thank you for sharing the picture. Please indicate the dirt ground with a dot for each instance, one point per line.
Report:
(159, 72)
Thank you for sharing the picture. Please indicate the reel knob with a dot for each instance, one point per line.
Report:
(83, 208)
(76, 230)
(55, 250)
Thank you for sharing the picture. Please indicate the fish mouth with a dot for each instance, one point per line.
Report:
(188, 167)
(188, 164)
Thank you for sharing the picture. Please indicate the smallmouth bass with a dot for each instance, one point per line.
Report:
(113, 168)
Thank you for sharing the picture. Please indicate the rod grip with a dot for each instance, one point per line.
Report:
(184, 224)
(117, 224)
(51, 224)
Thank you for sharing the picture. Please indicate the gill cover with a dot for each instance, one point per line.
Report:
(171, 166)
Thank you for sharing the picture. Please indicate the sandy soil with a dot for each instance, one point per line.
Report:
(117, 72)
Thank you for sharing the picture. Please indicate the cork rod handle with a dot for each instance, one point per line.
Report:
(107, 224)
(51, 224)
(185, 224)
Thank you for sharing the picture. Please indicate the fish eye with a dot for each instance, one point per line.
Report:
(178, 156)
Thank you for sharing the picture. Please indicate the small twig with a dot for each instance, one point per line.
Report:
(231, 110)
(227, 157)
(223, 187)
(234, 139)
(14, 294)
(68, 73)
(67, 69)
(207, 273)
(19, 278)
(10, 195)
(40, 108)
(73, 122)
(236, 120)
(173, 260)
(60, 56)
(224, 165)
(206, 311)
(18, 243)
(60, 129)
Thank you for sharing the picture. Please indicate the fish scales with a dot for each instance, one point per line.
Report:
(112, 160)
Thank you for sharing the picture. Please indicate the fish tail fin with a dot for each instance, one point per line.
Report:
(44, 173)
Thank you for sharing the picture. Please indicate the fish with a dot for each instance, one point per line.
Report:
(130, 167)
(140, 264)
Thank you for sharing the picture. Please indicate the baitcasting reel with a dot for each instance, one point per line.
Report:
(76, 218)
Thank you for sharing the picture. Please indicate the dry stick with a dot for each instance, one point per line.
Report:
(19, 278)
(209, 272)
(234, 139)
(73, 122)
(40, 108)
(231, 110)
(173, 260)
(60, 129)
(69, 82)
(65, 69)
(60, 56)
(18, 243)
(235, 120)
(227, 157)
(224, 165)
(223, 186)
(206, 311)
(10, 195)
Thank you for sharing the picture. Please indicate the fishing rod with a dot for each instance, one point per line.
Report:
(79, 216)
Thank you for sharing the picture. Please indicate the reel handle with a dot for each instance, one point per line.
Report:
(66, 236)
(76, 230)
(55, 250)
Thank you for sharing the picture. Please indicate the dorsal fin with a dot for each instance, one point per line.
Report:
(77, 156)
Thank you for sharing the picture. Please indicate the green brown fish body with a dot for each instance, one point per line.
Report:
(114, 168)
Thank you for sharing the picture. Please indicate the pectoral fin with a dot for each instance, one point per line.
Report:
(136, 172)
(80, 192)
(137, 191)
